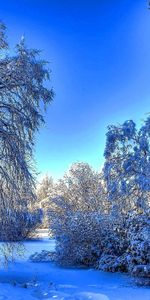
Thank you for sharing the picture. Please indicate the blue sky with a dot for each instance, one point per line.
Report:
(99, 53)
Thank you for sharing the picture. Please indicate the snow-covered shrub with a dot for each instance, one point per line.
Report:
(112, 263)
(134, 248)
(77, 213)
(82, 237)
(113, 258)
(79, 238)
(43, 256)
(138, 254)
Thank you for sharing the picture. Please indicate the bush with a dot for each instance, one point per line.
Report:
(112, 263)
(79, 239)
(134, 254)
(138, 254)
(83, 237)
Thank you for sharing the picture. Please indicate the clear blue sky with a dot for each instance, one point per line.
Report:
(99, 53)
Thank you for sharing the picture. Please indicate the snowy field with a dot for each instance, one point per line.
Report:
(24, 280)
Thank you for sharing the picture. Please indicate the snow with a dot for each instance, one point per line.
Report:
(25, 280)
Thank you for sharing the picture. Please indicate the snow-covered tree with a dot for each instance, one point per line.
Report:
(45, 189)
(127, 175)
(22, 96)
(82, 188)
(127, 167)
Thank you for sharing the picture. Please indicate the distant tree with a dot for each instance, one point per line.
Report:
(45, 188)
(44, 191)
(22, 96)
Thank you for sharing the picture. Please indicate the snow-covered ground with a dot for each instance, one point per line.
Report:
(25, 280)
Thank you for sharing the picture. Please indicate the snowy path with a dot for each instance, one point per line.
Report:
(30, 281)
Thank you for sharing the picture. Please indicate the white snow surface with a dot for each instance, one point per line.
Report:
(25, 280)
